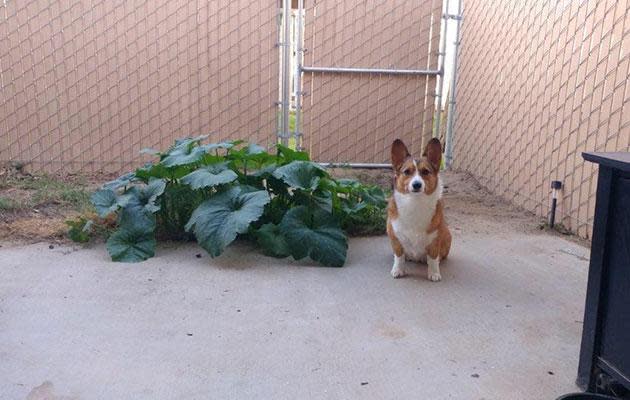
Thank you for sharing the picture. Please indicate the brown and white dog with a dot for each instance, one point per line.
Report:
(415, 215)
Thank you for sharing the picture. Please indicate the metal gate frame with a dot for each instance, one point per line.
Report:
(284, 132)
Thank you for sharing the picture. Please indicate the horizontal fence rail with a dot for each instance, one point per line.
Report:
(385, 71)
(356, 165)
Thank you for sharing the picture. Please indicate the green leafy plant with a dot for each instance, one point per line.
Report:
(218, 220)
(83, 228)
(215, 193)
(80, 229)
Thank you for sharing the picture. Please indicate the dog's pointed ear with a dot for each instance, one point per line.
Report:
(399, 153)
(433, 152)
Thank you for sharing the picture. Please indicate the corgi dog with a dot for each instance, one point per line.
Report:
(415, 214)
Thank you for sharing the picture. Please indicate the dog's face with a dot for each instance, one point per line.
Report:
(416, 176)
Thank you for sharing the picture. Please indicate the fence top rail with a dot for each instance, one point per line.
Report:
(355, 165)
(385, 71)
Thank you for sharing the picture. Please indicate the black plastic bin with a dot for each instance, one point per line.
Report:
(585, 396)
(605, 350)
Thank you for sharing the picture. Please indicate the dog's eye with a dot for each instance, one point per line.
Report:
(407, 172)
(425, 172)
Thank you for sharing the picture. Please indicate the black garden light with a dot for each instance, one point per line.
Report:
(555, 186)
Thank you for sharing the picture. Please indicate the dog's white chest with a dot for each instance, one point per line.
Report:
(415, 213)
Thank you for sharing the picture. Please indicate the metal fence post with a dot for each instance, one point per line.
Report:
(453, 90)
(299, 53)
(286, 72)
(441, 56)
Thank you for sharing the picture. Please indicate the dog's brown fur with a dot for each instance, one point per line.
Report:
(428, 167)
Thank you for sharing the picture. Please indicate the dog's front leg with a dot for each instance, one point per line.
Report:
(433, 271)
(398, 270)
(433, 260)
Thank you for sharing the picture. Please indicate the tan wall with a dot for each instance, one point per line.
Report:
(539, 83)
(86, 84)
(354, 118)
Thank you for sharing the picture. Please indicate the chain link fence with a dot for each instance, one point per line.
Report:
(354, 116)
(85, 85)
(539, 83)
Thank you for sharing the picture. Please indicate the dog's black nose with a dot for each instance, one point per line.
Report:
(416, 185)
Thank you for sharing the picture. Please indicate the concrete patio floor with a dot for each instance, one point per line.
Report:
(504, 323)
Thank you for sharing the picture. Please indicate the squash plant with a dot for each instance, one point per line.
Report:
(217, 192)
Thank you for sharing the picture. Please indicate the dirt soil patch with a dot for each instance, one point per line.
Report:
(35, 208)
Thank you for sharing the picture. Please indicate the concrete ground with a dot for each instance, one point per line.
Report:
(504, 323)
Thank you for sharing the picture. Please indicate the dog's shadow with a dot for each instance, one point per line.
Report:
(416, 271)
(243, 255)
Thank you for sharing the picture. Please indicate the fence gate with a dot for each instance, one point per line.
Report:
(369, 72)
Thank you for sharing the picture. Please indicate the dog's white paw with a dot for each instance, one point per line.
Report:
(433, 271)
(435, 277)
(398, 272)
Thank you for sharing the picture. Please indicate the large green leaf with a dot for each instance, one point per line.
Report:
(300, 174)
(211, 175)
(363, 196)
(215, 146)
(352, 207)
(196, 139)
(159, 171)
(131, 246)
(272, 242)
(134, 241)
(373, 195)
(323, 200)
(265, 171)
(183, 156)
(316, 234)
(135, 218)
(150, 151)
(150, 193)
(319, 198)
(251, 157)
(185, 151)
(217, 221)
(106, 201)
(121, 181)
(254, 148)
(145, 198)
(346, 185)
(289, 154)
